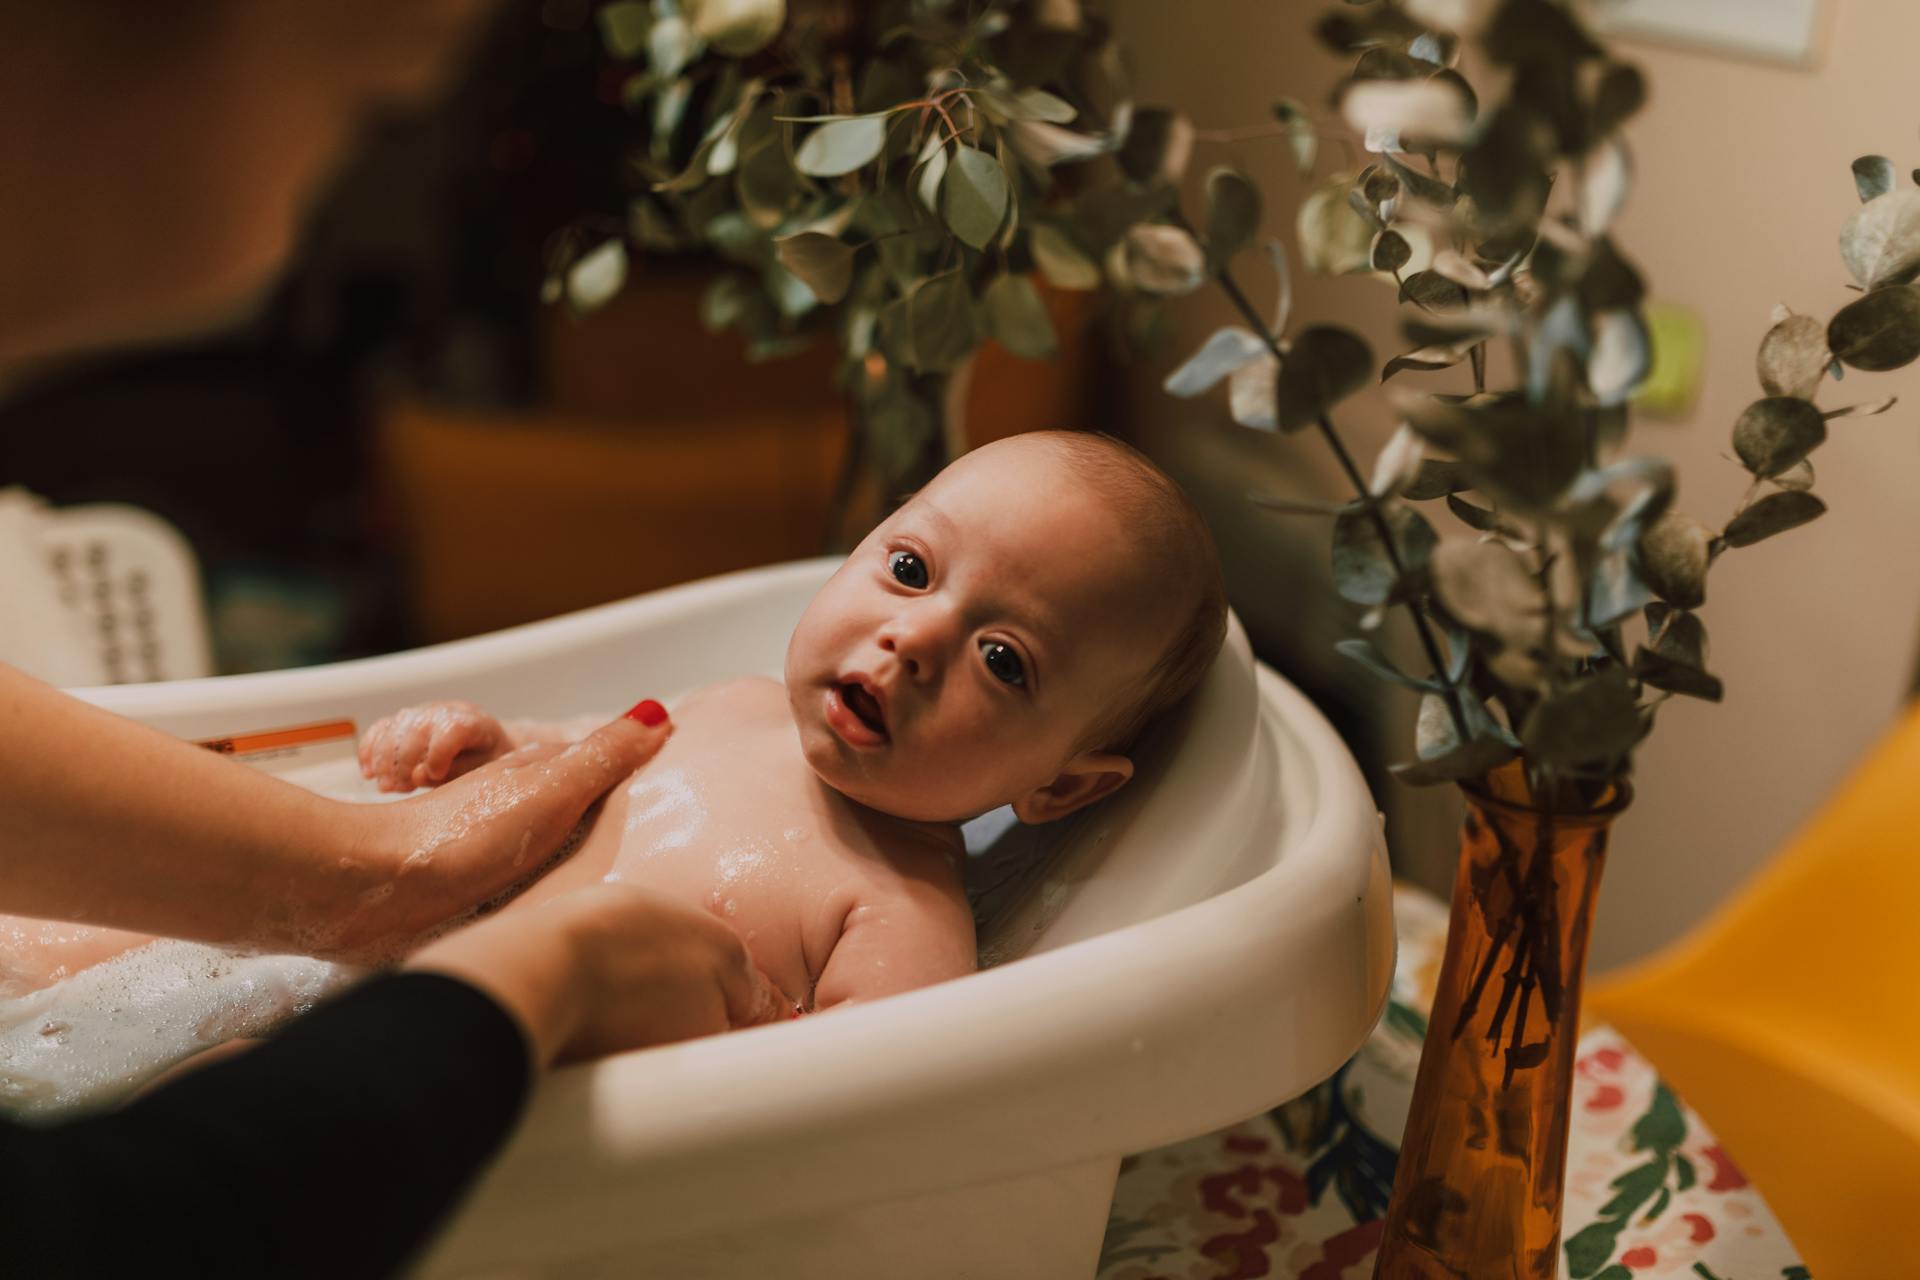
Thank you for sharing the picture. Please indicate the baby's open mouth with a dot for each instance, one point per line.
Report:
(864, 706)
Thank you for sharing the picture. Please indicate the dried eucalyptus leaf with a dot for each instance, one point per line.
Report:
(1485, 587)
(1250, 393)
(1282, 285)
(1334, 238)
(1609, 280)
(1018, 319)
(1324, 366)
(1228, 349)
(1880, 331)
(1233, 213)
(1433, 290)
(1603, 190)
(1397, 466)
(974, 197)
(1619, 95)
(1363, 652)
(1411, 111)
(1614, 591)
(1521, 456)
(1773, 434)
(1064, 264)
(940, 321)
(1427, 359)
(1797, 478)
(1775, 513)
(1505, 171)
(1677, 659)
(1158, 143)
(1427, 189)
(841, 146)
(1872, 176)
(1481, 519)
(1621, 357)
(1881, 242)
(1672, 559)
(597, 275)
(1302, 140)
(1453, 266)
(1861, 410)
(1362, 570)
(822, 263)
(1794, 357)
(1378, 185)
(1443, 757)
(1164, 260)
(1437, 478)
(1391, 251)
(1365, 208)
(1593, 719)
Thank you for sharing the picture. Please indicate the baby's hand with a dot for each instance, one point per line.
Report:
(426, 745)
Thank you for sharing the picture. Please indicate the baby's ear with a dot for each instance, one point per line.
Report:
(1087, 777)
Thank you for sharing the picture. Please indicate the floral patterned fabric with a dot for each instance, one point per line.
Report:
(1302, 1190)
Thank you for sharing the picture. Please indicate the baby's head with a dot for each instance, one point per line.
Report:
(1005, 636)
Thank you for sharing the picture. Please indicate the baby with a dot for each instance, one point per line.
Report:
(1001, 639)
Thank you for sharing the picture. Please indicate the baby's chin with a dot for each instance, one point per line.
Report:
(870, 787)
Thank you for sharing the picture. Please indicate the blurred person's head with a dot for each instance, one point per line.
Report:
(156, 158)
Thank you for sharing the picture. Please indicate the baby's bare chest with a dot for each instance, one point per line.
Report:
(728, 818)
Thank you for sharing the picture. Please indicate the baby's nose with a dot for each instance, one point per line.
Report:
(907, 655)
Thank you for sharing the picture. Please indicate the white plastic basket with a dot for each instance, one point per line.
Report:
(96, 594)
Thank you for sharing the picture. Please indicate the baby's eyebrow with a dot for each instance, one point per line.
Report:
(922, 506)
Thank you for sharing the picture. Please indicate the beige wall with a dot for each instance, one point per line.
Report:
(1743, 187)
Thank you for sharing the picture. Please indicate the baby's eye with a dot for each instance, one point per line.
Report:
(1003, 662)
(907, 569)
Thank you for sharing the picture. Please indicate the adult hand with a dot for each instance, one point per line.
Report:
(456, 847)
(607, 969)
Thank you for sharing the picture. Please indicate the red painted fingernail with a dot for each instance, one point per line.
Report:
(648, 712)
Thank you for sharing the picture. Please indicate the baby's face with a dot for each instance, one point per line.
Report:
(955, 661)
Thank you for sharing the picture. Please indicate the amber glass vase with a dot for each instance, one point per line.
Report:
(1477, 1192)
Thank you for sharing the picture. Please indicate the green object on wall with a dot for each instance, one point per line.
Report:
(1679, 338)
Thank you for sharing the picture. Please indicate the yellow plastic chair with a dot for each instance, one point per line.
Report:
(1791, 1021)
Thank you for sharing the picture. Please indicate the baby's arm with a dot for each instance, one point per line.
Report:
(897, 937)
(434, 742)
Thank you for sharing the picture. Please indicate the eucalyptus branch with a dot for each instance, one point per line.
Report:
(1223, 276)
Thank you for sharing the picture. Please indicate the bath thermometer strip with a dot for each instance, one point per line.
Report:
(278, 749)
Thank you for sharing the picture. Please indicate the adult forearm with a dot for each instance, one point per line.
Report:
(107, 821)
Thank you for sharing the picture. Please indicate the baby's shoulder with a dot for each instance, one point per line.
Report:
(741, 695)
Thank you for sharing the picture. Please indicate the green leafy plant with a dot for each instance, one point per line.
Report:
(886, 172)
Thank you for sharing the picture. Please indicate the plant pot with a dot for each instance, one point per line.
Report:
(1478, 1188)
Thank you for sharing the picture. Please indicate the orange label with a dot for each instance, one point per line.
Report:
(305, 735)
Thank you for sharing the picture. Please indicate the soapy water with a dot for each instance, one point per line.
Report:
(94, 1038)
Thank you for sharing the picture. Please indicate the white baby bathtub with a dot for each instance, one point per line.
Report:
(1214, 940)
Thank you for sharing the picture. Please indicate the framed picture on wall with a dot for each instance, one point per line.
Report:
(1784, 31)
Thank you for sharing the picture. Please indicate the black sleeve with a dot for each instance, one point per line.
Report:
(333, 1150)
